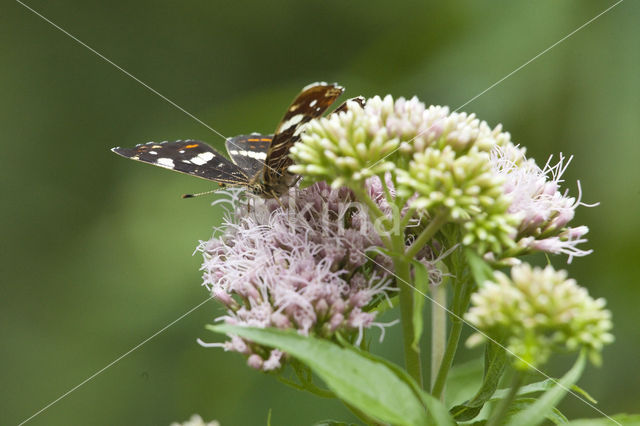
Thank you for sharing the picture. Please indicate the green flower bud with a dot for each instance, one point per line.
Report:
(463, 185)
(346, 147)
(538, 311)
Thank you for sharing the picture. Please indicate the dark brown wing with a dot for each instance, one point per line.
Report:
(191, 157)
(360, 100)
(249, 152)
(312, 102)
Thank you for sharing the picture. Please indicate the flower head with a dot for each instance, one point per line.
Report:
(346, 147)
(438, 160)
(303, 267)
(537, 311)
(196, 420)
(446, 163)
(541, 209)
(462, 186)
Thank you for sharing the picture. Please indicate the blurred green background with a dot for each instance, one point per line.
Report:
(96, 250)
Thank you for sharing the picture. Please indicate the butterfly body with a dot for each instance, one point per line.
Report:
(258, 162)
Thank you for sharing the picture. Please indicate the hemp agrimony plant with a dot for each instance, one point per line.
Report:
(399, 206)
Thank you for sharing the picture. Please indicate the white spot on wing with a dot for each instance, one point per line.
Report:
(153, 153)
(291, 122)
(300, 129)
(251, 154)
(202, 158)
(317, 83)
(257, 155)
(313, 102)
(165, 162)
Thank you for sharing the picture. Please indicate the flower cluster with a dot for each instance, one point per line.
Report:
(395, 194)
(363, 142)
(464, 188)
(305, 267)
(537, 311)
(346, 147)
(445, 163)
(541, 209)
(196, 420)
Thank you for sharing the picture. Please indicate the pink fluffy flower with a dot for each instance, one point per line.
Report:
(302, 267)
(542, 209)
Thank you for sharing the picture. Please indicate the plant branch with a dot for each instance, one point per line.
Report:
(498, 416)
(461, 297)
(375, 214)
(407, 217)
(438, 329)
(426, 234)
(411, 354)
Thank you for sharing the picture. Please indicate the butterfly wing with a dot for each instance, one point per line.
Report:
(312, 102)
(360, 100)
(191, 157)
(249, 152)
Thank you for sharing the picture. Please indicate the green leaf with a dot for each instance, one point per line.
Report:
(305, 380)
(463, 380)
(421, 288)
(521, 404)
(495, 362)
(517, 406)
(333, 423)
(436, 409)
(536, 412)
(542, 386)
(584, 393)
(480, 270)
(623, 419)
(369, 386)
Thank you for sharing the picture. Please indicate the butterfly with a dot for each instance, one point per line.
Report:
(258, 162)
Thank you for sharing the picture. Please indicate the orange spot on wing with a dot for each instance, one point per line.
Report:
(191, 146)
(253, 140)
(265, 140)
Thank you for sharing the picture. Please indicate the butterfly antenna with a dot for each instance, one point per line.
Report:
(199, 194)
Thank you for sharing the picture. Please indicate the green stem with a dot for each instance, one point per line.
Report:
(404, 282)
(426, 234)
(373, 207)
(385, 188)
(459, 305)
(395, 243)
(407, 217)
(499, 414)
(375, 214)
(438, 329)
